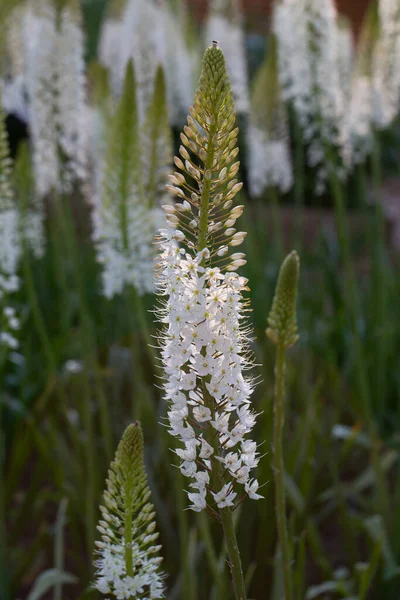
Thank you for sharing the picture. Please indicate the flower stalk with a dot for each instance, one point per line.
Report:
(283, 332)
(204, 345)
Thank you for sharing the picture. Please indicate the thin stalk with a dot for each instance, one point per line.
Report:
(189, 592)
(212, 557)
(354, 306)
(279, 471)
(235, 562)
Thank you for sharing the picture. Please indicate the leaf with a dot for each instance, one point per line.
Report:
(47, 580)
(376, 528)
(294, 495)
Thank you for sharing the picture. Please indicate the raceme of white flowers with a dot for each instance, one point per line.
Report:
(307, 32)
(151, 34)
(10, 247)
(128, 564)
(50, 71)
(386, 68)
(224, 24)
(126, 213)
(204, 342)
(269, 161)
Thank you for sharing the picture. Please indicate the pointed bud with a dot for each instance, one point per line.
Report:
(282, 319)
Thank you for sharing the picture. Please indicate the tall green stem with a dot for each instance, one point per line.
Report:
(235, 562)
(279, 471)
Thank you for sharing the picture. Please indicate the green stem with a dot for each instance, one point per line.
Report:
(235, 562)
(279, 471)
(213, 562)
(189, 592)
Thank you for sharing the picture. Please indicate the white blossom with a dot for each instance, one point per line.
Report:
(307, 33)
(151, 34)
(204, 353)
(56, 93)
(386, 65)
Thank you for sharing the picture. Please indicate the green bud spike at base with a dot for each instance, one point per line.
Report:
(128, 564)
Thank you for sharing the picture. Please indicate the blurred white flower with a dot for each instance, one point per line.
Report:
(307, 32)
(386, 65)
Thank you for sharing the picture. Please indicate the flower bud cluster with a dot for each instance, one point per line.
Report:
(205, 353)
(128, 563)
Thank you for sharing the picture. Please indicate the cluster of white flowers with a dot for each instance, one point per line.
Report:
(386, 65)
(204, 352)
(130, 171)
(307, 32)
(126, 264)
(146, 585)
(47, 88)
(10, 322)
(152, 35)
(224, 24)
(269, 162)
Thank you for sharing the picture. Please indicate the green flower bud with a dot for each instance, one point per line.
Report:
(282, 319)
(127, 554)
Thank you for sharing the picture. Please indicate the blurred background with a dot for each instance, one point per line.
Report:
(85, 151)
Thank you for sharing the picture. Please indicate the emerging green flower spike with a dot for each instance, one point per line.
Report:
(128, 566)
(282, 319)
(156, 144)
(209, 184)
